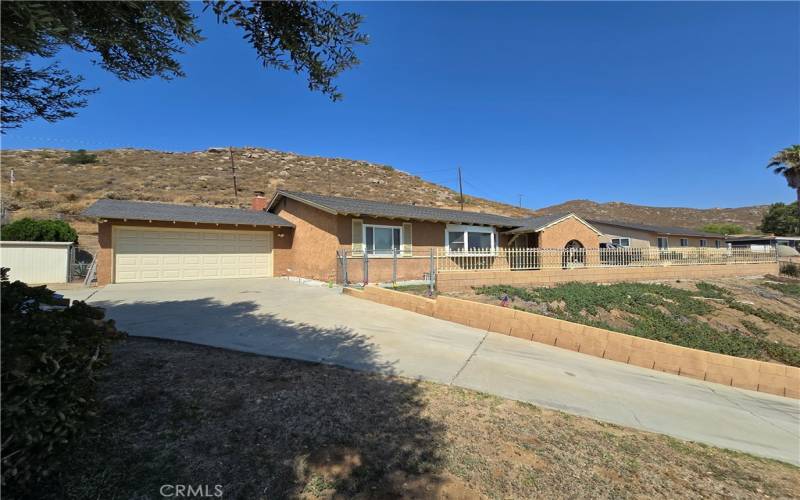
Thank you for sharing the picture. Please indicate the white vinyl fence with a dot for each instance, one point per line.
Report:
(36, 261)
(519, 259)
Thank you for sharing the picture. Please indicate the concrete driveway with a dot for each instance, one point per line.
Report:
(278, 317)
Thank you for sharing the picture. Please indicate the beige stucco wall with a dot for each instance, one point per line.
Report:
(641, 239)
(313, 241)
(105, 255)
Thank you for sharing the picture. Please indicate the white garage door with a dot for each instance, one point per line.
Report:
(145, 254)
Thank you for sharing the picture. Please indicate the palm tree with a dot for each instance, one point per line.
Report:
(787, 163)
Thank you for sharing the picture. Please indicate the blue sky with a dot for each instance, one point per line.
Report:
(669, 104)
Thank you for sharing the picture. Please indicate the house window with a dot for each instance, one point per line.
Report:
(684, 242)
(382, 240)
(703, 243)
(663, 244)
(621, 242)
(718, 244)
(470, 238)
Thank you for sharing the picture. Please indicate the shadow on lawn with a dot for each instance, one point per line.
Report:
(261, 427)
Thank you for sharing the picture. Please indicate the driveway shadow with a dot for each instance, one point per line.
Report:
(241, 326)
(174, 413)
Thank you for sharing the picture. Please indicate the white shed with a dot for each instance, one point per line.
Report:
(36, 261)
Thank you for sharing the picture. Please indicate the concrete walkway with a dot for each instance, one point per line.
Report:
(281, 318)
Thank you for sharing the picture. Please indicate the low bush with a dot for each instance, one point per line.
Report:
(50, 356)
(790, 269)
(79, 157)
(38, 230)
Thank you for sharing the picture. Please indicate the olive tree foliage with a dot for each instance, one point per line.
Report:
(306, 37)
(141, 40)
(132, 40)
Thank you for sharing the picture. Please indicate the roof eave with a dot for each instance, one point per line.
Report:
(287, 224)
(285, 194)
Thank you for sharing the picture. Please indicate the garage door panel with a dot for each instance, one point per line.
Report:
(143, 254)
(151, 260)
(192, 274)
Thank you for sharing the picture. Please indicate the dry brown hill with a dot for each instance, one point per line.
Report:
(47, 187)
(747, 217)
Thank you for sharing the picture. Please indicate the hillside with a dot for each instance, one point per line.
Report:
(46, 187)
(747, 217)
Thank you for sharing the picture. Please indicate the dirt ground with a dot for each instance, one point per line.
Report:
(261, 427)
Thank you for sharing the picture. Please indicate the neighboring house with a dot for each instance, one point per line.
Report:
(763, 242)
(627, 234)
(303, 234)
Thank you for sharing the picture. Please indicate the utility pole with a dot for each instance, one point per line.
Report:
(520, 201)
(233, 173)
(460, 189)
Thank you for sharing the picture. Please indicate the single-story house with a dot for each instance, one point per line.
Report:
(304, 234)
(316, 236)
(626, 234)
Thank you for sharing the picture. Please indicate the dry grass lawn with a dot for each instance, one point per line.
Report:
(268, 428)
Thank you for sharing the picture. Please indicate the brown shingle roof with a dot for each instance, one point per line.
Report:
(352, 206)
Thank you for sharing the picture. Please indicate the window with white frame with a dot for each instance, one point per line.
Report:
(470, 238)
(382, 240)
(703, 243)
(622, 242)
(684, 242)
(663, 244)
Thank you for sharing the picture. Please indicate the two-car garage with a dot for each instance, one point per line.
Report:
(145, 254)
(142, 241)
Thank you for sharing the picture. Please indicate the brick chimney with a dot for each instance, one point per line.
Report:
(259, 201)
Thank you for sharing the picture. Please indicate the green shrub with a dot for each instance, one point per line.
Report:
(79, 157)
(49, 361)
(790, 269)
(786, 288)
(38, 230)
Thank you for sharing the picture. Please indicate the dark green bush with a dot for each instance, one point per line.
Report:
(79, 157)
(790, 269)
(38, 230)
(49, 361)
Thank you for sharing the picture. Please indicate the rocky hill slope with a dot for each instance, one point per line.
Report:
(46, 187)
(747, 217)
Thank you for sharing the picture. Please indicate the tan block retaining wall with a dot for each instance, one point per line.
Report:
(455, 281)
(727, 370)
